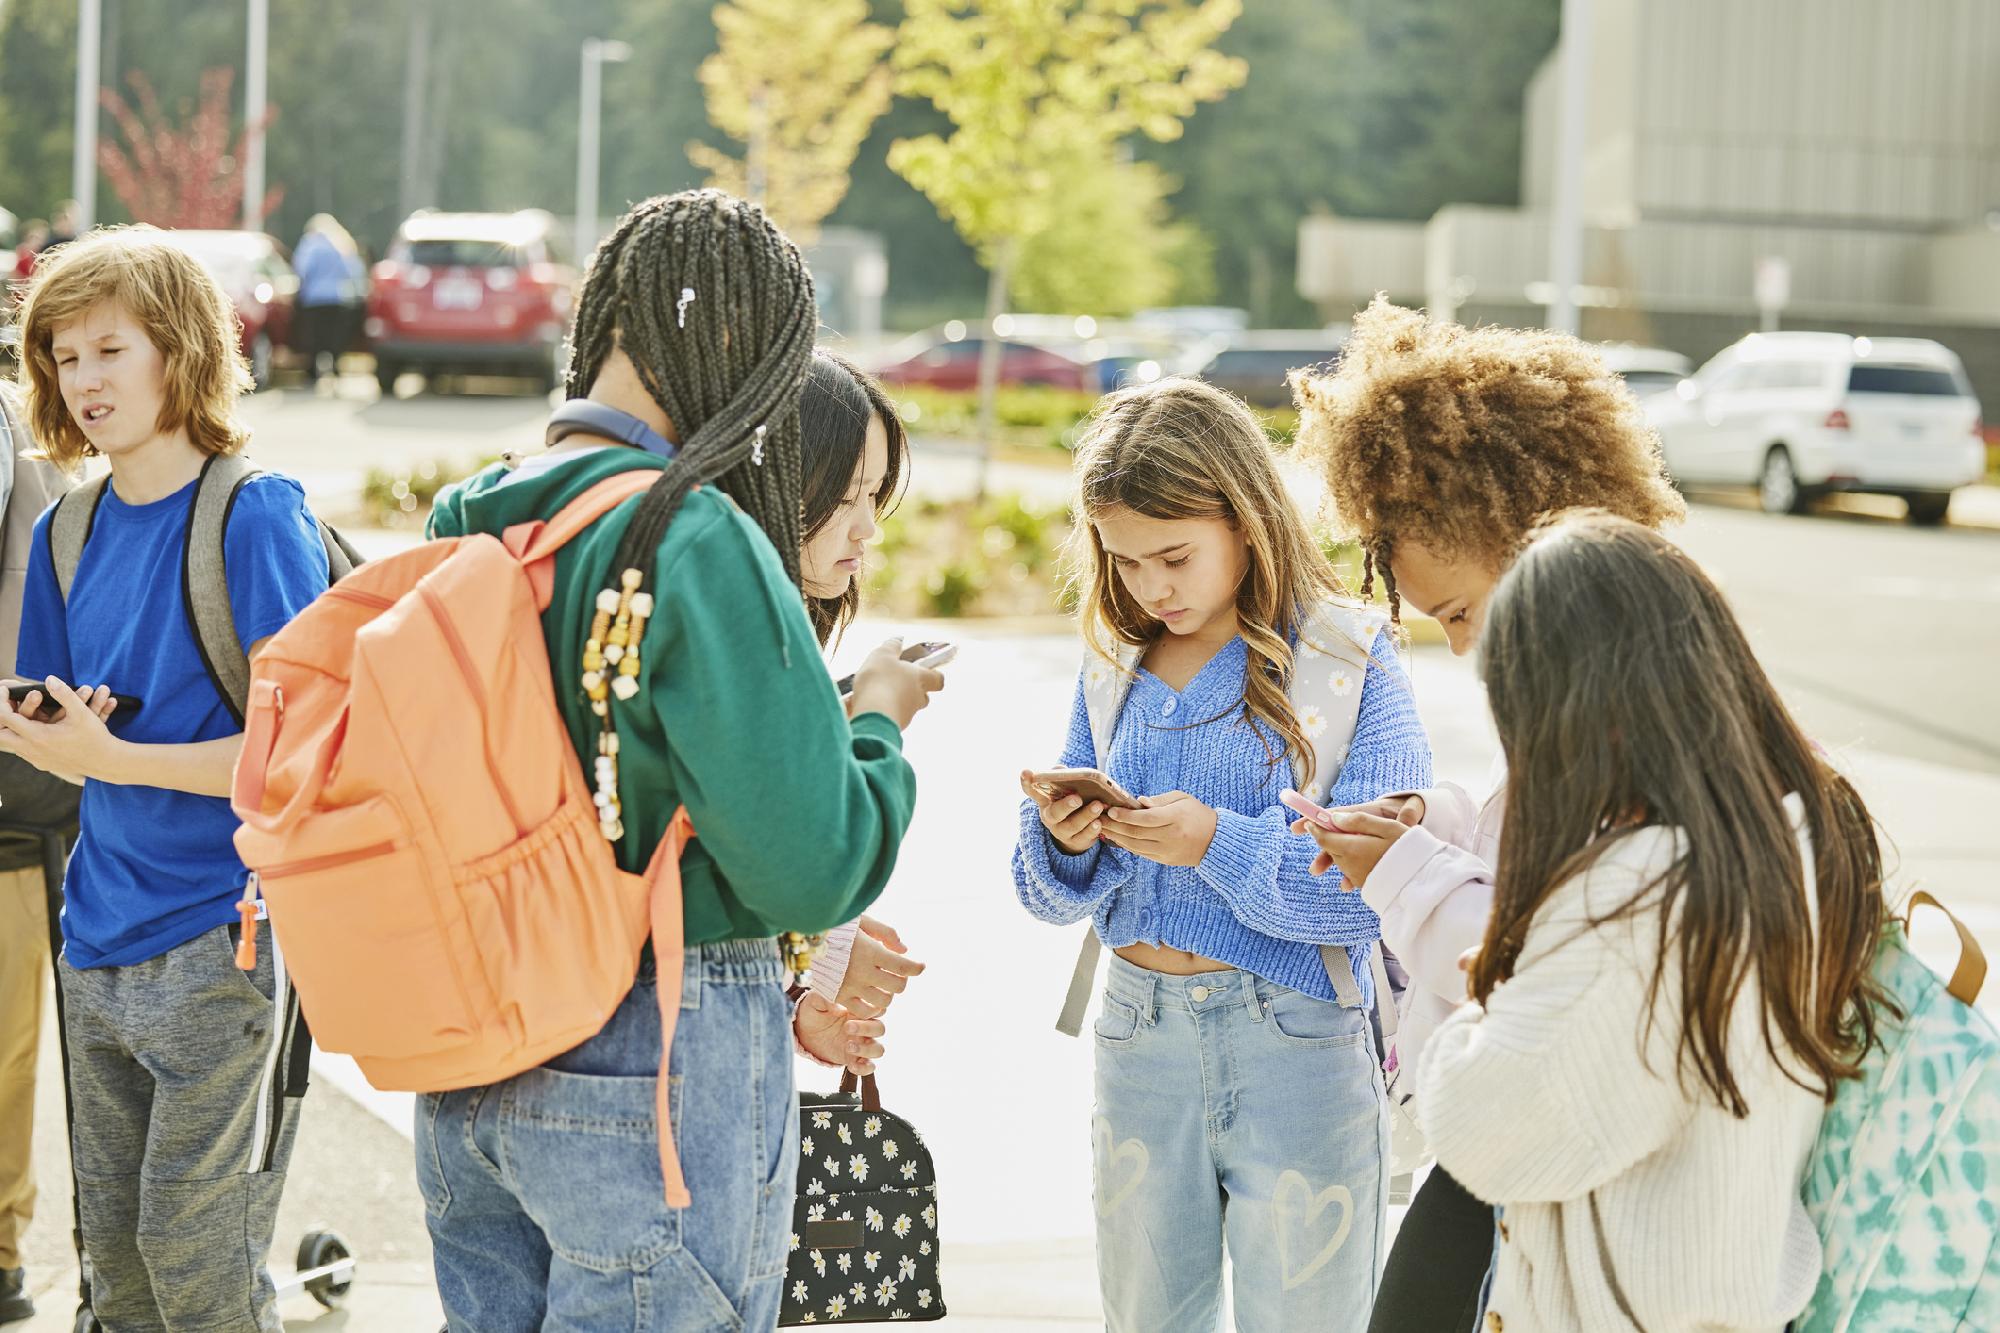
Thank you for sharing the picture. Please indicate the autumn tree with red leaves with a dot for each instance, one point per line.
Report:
(174, 177)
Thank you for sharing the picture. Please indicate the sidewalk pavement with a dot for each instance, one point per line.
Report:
(973, 1059)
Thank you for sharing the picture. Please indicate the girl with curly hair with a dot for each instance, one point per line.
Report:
(1442, 447)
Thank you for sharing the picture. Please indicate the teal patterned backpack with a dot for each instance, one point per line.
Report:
(1904, 1183)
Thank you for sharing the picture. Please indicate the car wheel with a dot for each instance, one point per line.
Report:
(386, 374)
(1928, 511)
(260, 361)
(1778, 489)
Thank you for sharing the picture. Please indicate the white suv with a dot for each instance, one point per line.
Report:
(1803, 414)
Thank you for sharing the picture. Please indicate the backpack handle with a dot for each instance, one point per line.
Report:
(1970, 974)
(266, 714)
(871, 1096)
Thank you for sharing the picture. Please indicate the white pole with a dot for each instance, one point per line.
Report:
(588, 107)
(255, 88)
(1566, 206)
(83, 164)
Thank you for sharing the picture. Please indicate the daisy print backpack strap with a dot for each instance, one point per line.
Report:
(1329, 664)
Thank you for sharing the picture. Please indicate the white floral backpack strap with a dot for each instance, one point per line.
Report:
(1105, 686)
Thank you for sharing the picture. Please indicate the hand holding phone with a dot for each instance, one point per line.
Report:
(1088, 783)
(895, 686)
(103, 703)
(932, 654)
(1300, 805)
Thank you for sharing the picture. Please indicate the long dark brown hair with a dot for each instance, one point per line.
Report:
(1626, 696)
(834, 411)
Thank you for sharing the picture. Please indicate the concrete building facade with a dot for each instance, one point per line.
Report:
(1858, 141)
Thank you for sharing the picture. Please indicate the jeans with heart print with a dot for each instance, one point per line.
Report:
(1236, 1116)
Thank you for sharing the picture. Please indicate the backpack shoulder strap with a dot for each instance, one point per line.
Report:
(205, 580)
(69, 529)
(1331, 661)
(1105, 686)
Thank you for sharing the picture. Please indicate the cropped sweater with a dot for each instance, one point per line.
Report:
(1251, 901)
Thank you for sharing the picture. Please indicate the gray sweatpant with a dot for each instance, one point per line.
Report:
(179, 1066)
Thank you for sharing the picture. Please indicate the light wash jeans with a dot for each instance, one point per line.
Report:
(1236, 1113)
(543, 1192)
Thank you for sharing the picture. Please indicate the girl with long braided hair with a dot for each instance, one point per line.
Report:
(687, 671)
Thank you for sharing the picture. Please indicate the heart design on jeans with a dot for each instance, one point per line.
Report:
(1110, 1201)
(1308, 1207)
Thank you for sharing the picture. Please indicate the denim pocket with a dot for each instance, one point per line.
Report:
(1299, 1020)
(584, 1149)
(431, 1182)
(1117, 1022)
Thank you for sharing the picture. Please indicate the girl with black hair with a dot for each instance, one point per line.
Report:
(688, 674)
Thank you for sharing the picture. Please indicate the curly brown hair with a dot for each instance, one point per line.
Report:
(1462, 438)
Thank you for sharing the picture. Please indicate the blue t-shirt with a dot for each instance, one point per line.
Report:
(153, 868)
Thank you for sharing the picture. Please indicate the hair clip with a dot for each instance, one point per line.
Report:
(681, 306)
(757, 448)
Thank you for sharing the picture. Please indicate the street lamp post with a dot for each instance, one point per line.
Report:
(1566, 205)
(596, 54)
(255, 94)
(83, 161)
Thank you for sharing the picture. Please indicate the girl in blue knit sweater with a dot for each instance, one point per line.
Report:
(1239, 1100)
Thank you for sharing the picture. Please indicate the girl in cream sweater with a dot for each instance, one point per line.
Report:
(1675, 972)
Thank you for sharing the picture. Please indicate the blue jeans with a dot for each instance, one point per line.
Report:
(543, 1192)
(1234, 1113)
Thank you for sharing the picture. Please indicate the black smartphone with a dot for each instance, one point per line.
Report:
(50, 710)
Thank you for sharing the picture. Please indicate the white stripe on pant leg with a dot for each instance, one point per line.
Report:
(257, 1132)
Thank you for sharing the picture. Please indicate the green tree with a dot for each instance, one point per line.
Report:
(798, 83)
(1037, 92)
(1112, 248)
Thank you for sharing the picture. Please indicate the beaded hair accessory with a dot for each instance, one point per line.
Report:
(611, 667)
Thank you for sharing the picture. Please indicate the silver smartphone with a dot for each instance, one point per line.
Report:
(934, 653)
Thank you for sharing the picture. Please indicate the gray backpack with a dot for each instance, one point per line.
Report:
(204, 579)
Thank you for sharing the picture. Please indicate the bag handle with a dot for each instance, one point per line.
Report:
(1970, 974)
(260, 737)
(535, 544)
(871, 1096)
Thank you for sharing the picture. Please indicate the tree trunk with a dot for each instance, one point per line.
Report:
(989, 361)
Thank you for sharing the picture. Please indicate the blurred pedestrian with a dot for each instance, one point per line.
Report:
(66, 225)
(331, 286)
(34, 237)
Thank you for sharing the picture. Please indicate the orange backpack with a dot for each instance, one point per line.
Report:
(418, 821)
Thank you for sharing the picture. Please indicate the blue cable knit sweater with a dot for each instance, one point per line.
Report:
(1250, 903)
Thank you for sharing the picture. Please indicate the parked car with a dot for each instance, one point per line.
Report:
(472, 294)
(947, 357)
(1646, 370)
(1804, 414)
(253, 270)
(1256, 366)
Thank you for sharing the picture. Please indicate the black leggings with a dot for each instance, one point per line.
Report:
(1432, 1280)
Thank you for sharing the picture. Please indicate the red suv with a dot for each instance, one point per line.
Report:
(471, 294)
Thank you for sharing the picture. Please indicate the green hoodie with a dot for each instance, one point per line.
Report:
(798, 813)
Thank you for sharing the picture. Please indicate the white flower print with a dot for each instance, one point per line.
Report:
(871, 1126)
(806, 1146)
(808, 1317)
(873, 1259)
(822, 1119)
(792, 1243)
(815, 1186)
(846, 1135)
(832, 1164)
(873, 1218)
(816, 1212)
(1096, 676)
(859, 1291)
(1341, 682)
(885, 1292)
(857, 1166)
(902, 1226)
(894, 1315)
(889, 1150)
(909, 1170)
(1311, 720)
(819, 1262)
(924, 1298)
(836, 1307)
(843, 1261)
(799, 1291)
(930, 1215)
(924, 1249)
(906, 1268)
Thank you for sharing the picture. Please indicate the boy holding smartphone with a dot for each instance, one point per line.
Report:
(183, 1127)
